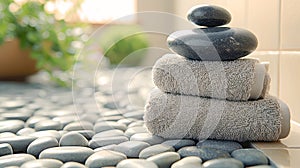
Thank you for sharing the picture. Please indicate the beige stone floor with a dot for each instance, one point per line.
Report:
(286, 152)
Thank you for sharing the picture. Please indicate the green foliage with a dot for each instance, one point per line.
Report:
(122, 40)
(51, 41)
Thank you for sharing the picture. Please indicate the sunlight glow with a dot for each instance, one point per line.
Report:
(106, 10)
(93, 11)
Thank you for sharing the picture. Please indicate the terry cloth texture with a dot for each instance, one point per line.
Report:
(178, 116)
(231, 80)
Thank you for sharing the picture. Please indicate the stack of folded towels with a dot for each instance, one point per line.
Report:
(207, 90)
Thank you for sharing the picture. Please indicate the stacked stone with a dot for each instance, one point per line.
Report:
(212, 43)
(190, 86)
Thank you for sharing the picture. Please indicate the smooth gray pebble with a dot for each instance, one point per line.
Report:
(131, 149)
(99, 142)
(5, 149)
(73, 165)
(223, 163)
(204, 153)
(109, 133)
(188, 162)
(228, 146)
(40, 144)
(136, 163)
(48, 125)
(78, 125)
(67, 153)
(19, 143)
(165, 160)
(250, 157)
(15, 159)
(179, 143)
(42, 163)
(104, 158)
(73, 139)
(147, 137)
(108, 125)
(154, 150)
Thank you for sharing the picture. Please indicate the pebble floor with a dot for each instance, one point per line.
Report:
(41, 127)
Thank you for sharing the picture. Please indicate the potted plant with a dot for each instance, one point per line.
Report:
(48, 42)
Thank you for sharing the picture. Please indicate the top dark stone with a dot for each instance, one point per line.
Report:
(209, 15)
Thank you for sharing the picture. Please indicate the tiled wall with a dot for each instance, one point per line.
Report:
(289, 62)
(290, 25)
(276, 23)
(289, 82)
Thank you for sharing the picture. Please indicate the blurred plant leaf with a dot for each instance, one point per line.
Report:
(120, 41)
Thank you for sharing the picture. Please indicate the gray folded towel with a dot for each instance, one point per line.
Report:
(179, 116)
(238, 80)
